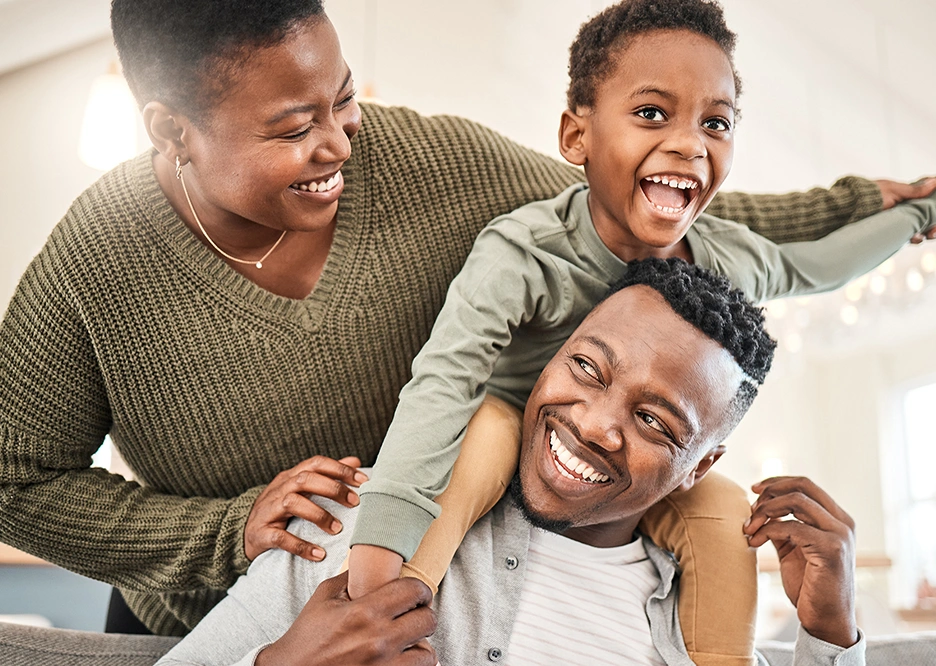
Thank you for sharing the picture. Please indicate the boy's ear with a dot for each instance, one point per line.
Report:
(572, 130)
(166, 129)
(702, 468)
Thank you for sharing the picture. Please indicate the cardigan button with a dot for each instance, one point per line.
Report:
(511, 562)
(495, 654)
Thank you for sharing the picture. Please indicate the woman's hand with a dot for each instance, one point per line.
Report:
(287, 496)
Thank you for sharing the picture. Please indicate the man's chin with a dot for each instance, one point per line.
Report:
(534, 518)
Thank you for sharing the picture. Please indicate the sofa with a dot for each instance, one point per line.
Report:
(31, 646)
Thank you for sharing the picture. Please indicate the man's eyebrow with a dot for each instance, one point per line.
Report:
(603, 346)
(305, 108)
(680, 415)
(665, 94)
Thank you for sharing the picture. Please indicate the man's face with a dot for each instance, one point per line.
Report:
(633, 406)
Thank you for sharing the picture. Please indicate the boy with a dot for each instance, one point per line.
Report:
(652, 106)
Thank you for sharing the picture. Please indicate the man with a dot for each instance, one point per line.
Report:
(642, 395)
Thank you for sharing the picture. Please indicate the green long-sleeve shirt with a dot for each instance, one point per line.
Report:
(125, 323)
(529, 280)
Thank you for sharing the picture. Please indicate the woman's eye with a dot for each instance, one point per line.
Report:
(347, 100)
(588, 368)
(651, 113)
(295, 136)
(717, 124)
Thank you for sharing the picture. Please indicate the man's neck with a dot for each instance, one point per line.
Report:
(605, 535)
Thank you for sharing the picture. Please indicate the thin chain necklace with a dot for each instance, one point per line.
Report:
(258, 263)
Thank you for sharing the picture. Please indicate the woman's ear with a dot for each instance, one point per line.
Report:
(166, 130)
(572, 137)
(702, 468)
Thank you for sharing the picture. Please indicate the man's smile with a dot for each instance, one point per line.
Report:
(570, 466)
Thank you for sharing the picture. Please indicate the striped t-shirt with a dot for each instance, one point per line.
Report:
(584, 605)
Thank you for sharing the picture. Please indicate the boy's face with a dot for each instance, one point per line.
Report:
(664, 117)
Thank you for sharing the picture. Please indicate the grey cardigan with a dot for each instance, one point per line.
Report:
(476, 605)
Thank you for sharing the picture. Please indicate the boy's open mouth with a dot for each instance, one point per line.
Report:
(669, 193)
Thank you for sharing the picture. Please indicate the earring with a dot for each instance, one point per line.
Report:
(178, 167)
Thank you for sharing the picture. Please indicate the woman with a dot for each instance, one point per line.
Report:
(246, 298)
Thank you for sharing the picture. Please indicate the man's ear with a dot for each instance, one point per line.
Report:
(166, 129)
(703, 467)
(572, 135)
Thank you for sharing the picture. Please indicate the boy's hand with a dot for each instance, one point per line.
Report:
(387, 628)
(287, 496)
(817, 554)
(370, 568)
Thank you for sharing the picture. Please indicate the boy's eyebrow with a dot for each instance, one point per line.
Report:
(672, 97)
(305, 108)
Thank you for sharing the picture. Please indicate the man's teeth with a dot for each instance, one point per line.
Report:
(569, 463)
(323, 186)
(674, 181)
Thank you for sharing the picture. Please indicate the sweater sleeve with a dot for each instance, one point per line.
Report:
(765, 270)
(501, 286)
(54, 414)
(800, 216)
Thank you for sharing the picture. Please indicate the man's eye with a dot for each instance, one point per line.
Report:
(651, 113)
(652, 422)
(587, 367)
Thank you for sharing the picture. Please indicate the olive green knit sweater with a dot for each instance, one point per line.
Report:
(209, 386)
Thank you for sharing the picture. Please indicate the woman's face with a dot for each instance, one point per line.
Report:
(271, 149)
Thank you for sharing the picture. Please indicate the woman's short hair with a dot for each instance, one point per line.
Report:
(183, 52)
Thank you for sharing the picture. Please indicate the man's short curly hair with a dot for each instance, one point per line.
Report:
(593, 55)
(709, 302)
(183, 52)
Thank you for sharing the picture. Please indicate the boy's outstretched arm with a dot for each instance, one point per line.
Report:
(805, 216)
(765, 270)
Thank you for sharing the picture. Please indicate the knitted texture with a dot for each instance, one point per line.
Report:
(209, 386)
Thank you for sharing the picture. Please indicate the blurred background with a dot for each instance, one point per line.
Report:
(831, 88)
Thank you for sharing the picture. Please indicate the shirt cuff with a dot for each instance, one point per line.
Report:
(391, 523)
(811, 651)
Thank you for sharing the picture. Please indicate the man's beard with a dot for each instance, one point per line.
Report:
(535, 519)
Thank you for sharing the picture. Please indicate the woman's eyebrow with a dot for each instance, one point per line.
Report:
(303, 108)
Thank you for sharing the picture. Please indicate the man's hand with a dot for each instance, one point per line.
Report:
(817, 554)
(287, 496)
(385, 628)
(893, 192)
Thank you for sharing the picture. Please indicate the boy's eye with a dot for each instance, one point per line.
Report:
(651, 113)
(717, 124)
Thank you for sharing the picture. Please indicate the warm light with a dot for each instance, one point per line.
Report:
(887, 268)
(853, 292)
(802, 300)
(109, 129)
(914, 280)
(794, 342)
(862, 281)
(802, 317)
(878, 284)
(777, 309)
(771, 467)
(849, 314)
(928, 262)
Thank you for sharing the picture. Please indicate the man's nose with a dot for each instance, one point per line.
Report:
(600, 423)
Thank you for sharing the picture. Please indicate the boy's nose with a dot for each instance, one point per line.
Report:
(688, 142)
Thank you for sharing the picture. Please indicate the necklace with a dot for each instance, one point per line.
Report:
(258, 263)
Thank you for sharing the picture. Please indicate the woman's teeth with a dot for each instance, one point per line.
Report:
(569, 465)
(323, 186)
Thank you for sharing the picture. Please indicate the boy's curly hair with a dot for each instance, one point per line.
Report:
(593, 54)
(183, 52)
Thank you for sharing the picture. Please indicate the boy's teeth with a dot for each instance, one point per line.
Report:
(569, 463)
(674, 182)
